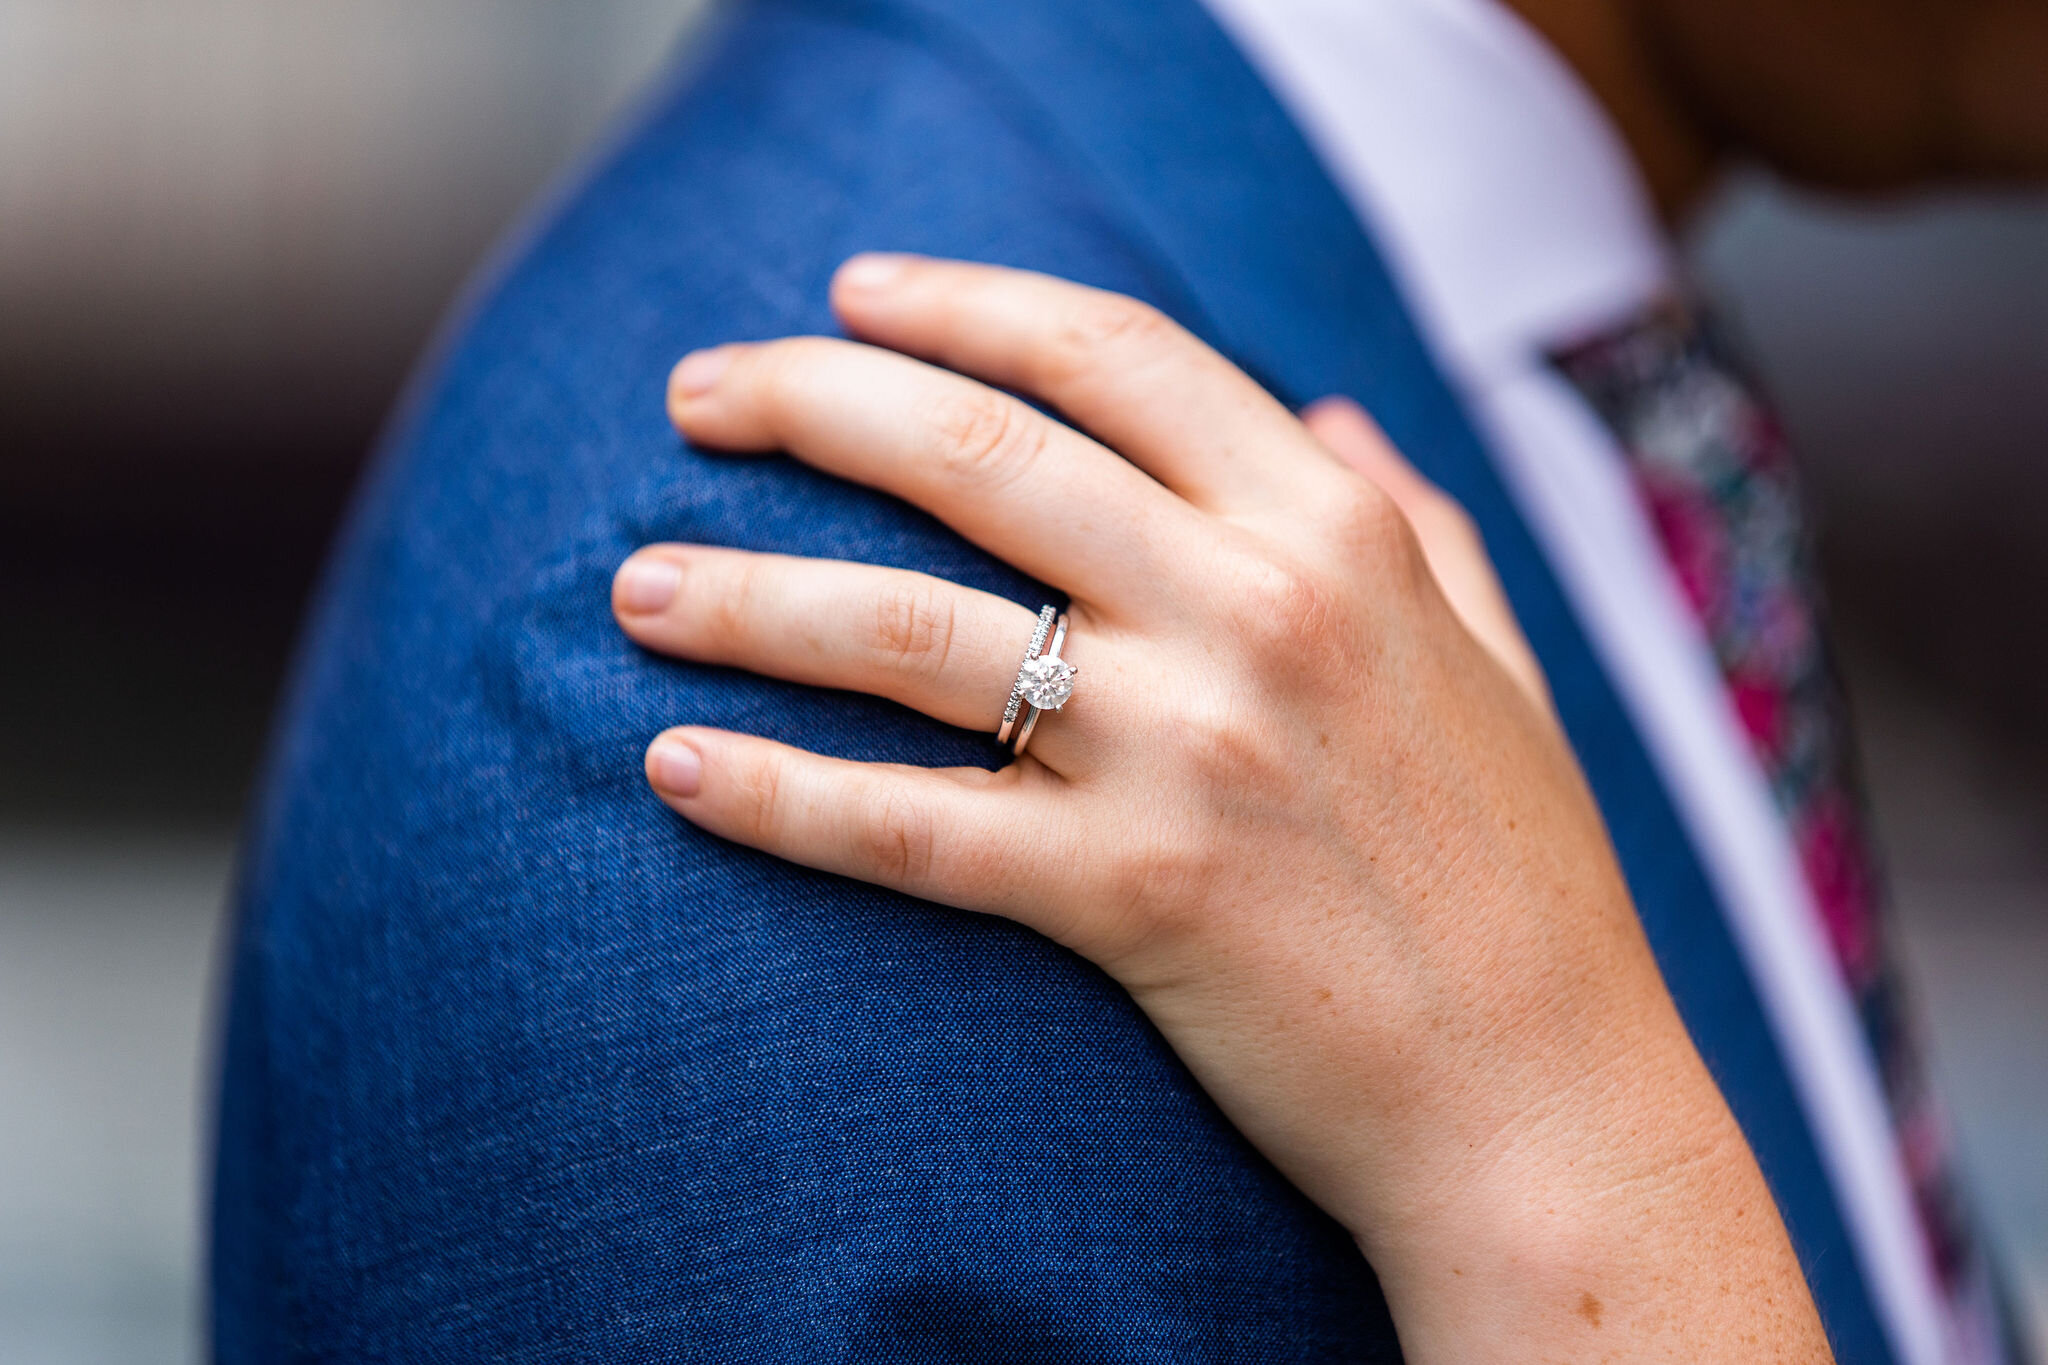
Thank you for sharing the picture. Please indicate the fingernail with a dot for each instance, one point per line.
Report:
(872, 270)
(1334, 405)
(648, 585)
(699, 370)
(674, 768)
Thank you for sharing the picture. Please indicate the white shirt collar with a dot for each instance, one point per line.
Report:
(1504, 201)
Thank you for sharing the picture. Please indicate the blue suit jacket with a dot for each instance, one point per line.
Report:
(520, 1067)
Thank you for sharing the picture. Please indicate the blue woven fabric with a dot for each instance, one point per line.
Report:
(518, 1066)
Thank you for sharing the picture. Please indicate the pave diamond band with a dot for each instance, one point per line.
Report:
(1044, 683)
(1046, 616)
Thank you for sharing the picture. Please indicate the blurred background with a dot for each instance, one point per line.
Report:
(227, 228)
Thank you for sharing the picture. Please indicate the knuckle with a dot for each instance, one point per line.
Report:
(1283, 607)
(770, 369)
(914, 624)
(1382, 543)
(760, 788)
(1363, 519)
(896, 839)
(1107, 327)
(789, 359)
(780, 373)
(729, 602)
(985, 438)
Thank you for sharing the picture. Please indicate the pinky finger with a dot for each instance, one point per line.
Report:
(949, 835)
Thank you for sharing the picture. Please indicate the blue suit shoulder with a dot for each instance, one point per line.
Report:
(520, 1066)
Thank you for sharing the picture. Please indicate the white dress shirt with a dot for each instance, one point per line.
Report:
(1511, 215)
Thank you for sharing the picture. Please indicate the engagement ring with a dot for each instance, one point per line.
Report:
(1046, 616)
(1044, 682)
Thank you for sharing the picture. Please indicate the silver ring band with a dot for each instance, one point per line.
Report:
(1047, 682)
(1046, 615)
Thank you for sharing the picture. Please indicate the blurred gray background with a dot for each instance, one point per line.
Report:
(226, 227)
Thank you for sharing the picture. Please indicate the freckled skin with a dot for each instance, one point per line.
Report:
(1315, 760)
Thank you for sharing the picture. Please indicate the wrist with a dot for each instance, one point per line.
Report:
(1572, 1111)
(1625, 1214)
(1392, 1099)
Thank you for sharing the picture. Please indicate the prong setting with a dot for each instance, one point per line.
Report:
(1046, 681)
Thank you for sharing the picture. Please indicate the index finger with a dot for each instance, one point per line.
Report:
(1120, 369)
(1031, 490)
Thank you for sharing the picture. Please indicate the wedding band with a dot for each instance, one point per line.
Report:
(1046, 615)
(1044, 683)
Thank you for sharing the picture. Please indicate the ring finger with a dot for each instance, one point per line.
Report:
(948, 651)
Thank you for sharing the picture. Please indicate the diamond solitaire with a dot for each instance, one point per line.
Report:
(1044, 681)
(1047, 681)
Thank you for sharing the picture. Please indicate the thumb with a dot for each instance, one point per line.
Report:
(1450, 541)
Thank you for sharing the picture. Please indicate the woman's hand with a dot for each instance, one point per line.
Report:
(1308, 802)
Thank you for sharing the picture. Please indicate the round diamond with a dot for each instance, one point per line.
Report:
(1048, 682)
